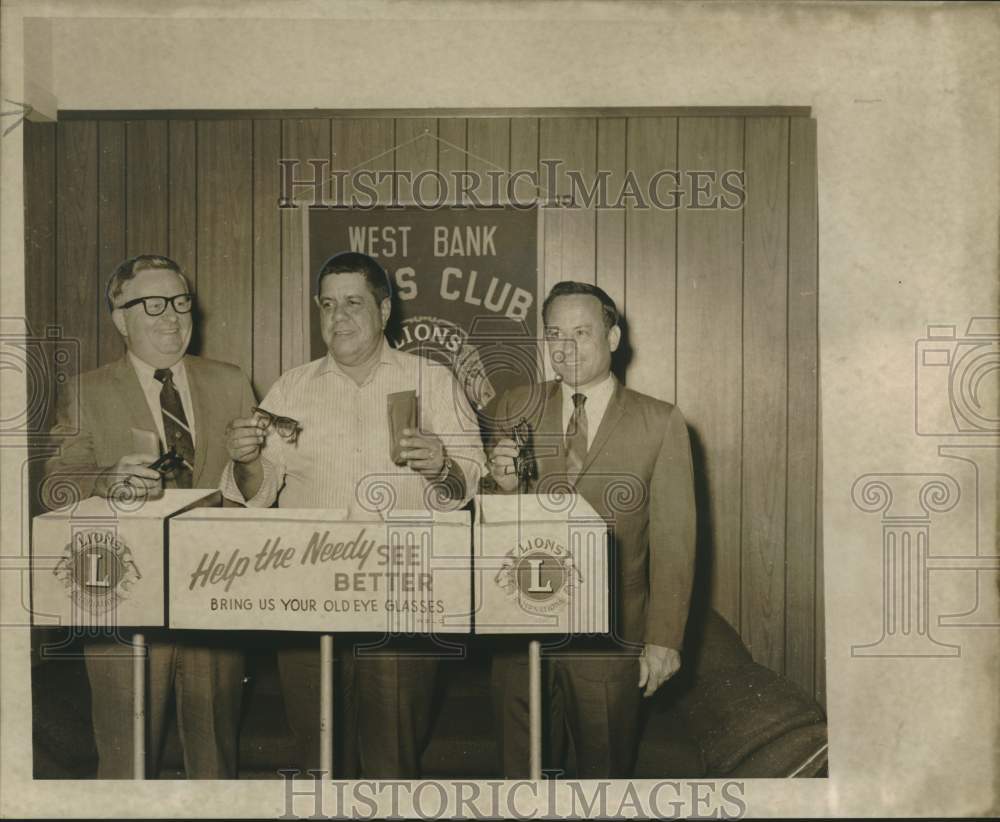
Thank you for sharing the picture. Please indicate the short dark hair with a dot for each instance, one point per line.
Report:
(127, 269)
(609, 310)
(354, 262)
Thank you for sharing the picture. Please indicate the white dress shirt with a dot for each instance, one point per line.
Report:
(342, 457)
(151, 387)
(598, 398)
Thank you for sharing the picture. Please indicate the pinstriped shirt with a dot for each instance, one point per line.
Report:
(342, 456)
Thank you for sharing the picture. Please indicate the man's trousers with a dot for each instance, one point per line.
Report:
(592, 699)
(205, 676)
(383, 700)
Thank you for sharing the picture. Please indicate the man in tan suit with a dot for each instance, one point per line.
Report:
(184, 402)
(629, 456)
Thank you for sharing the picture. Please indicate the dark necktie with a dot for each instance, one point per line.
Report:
(175, 426)
(576, 438)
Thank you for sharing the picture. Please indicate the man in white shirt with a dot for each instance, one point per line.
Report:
(342, 459)
(629, 456)
(109, 422)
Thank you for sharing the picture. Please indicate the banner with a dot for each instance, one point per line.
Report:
(320, 570)
(465, 285)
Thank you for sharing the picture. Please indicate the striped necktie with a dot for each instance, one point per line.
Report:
(175, 425)
(576, 438)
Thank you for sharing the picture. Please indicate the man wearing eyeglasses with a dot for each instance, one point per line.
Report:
(109, 426)
(343, 458)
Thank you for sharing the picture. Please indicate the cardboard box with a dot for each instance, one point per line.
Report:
(100, 562)
(541, 566)
(293, 569)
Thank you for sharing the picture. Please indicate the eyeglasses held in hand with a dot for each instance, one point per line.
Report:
(525, 466)
(170, 462)
(155, 306)
(286, 427)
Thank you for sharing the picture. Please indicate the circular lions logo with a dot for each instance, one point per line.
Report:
(540, 575)
(98, 569)
(447, 343)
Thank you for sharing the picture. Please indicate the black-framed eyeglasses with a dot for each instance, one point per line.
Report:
(286, 427)
(155, 306)
(170, 462)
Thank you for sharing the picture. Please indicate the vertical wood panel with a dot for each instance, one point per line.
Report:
(569, 246)
(225, 240)
(39, 267)
(709, 378)
(416, 151)
(610, 242)
(146, 187)
(523, 157)
(651, 261)
(820, 612)
(266, 255)
(803, 650)
(451, 149)
(111, 228)
(365, 144)
(489, 153)
(765, 296)
(77, 281)
(40, 225)
(182, 215)
(303, 140)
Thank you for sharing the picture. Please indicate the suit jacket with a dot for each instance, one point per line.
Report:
(96, 411)
(638, 476)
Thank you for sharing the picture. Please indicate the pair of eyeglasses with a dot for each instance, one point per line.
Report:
(286, 427)
(170, 462)
(525, 466)
(155, 306)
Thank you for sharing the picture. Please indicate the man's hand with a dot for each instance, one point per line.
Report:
(501, 464)
(422, 453)
(133, 471)
(656, 665)
(244, 439)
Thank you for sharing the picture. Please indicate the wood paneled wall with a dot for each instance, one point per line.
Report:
(721, 305)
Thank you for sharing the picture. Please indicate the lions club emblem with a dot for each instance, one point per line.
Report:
(540, 575)
(98, 570)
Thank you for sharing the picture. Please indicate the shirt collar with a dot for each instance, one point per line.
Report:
(599, 393)
(387, 356)
(147, 373)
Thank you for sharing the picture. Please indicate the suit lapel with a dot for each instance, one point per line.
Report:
(549, 433)
(200, 423)
(612, 416)
(130, 392)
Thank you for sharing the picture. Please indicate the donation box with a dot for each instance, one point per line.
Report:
(102, 562)
(293, 569)
(541, 565)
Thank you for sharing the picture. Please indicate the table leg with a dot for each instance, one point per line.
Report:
(326, 705)
(138, 706)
